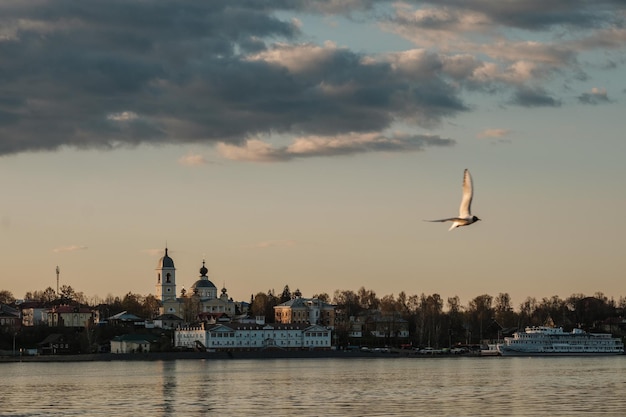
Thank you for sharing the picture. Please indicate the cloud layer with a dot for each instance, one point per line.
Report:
(119, 73)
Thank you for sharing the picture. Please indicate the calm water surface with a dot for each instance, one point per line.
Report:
(594, 386)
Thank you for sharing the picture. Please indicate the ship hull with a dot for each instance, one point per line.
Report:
(527, 354)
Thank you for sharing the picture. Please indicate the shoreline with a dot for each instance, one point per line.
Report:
(230, 355)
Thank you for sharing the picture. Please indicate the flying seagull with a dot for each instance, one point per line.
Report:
(465, 211)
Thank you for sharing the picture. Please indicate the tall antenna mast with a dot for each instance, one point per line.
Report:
(58, 270)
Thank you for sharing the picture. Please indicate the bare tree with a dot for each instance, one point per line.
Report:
(481, 312)
(6, 297)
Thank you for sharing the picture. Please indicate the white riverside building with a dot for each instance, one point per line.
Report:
(250, 336)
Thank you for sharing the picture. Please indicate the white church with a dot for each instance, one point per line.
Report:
(200, 303)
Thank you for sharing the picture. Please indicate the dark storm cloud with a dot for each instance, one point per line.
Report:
(596, 96)
(178, 72)
(534, 97)
(93, 74)
(539, 14)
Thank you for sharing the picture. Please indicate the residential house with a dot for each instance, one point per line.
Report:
(126, 319)
(387, 326)
(71, 316)
(55, 344)
(168, 321)
(305, 310)
(132, 343)
(10, 317)
(34, 313)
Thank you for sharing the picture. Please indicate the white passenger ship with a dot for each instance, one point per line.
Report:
(551, 341)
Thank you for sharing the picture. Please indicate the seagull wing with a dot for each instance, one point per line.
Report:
(466, 203)
(451, 219)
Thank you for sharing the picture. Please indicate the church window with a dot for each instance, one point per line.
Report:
(158, 278)
(168, 276)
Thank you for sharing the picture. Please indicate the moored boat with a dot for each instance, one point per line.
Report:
(553, 341)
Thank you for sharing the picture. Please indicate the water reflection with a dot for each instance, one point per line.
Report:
(313, 387)
(168, 384)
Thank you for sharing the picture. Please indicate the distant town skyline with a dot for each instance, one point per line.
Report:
(303, 143)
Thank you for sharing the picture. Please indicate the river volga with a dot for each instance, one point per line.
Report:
(450, 386)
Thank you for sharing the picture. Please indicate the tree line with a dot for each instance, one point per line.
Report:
(145, 306)
(431, 320)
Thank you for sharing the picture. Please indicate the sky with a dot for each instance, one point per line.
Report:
(303, 143)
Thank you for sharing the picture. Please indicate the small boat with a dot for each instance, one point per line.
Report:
(491, 350)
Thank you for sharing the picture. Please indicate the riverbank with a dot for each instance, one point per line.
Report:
(231, 355)
(167, 356)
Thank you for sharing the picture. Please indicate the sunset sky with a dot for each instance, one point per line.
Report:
(304, 142)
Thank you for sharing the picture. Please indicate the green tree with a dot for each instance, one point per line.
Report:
(285, 296)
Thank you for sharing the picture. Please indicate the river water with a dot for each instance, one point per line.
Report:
(451, 386)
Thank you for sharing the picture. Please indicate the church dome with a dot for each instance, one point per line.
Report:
(203, 270)
(203, 286)
(203, 283)
(165, 262)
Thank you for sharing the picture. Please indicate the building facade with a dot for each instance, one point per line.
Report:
(132, 343)
(33, 314)
(249, 336)
(71, 316)
(9, 317)
(305, 310)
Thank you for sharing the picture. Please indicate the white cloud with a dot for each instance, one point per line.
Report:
(192, 160)
(256, 150)
(442, 28)
(297, 58)
(493, 133)
(496, 54)
(124, 116)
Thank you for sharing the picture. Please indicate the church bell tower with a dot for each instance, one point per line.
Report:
(166, 281)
